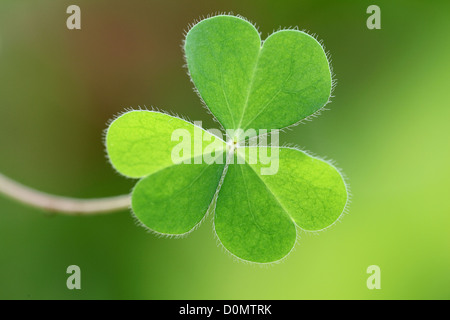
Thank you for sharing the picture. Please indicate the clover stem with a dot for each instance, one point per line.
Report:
(58, 204)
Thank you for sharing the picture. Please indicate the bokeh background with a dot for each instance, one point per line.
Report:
(388, 128)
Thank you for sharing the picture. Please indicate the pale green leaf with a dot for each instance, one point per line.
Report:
(247, 85)
(312, 191)
(174, 200)
(140, 142)
(221, 54)
(249, 220)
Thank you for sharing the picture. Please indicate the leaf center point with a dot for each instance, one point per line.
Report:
(232, 145)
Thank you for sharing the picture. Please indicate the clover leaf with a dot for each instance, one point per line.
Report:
(245, 85)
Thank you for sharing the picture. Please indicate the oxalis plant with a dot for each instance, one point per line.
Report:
(245, 84)
(260, 195)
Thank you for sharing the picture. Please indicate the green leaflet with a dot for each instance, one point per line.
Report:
(259, 205)
(140, 142)
(311, 191)
(175, 199)
(249, 221)
(256, 214)
(249, 86)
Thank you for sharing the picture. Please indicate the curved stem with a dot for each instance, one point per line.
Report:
(59, 204)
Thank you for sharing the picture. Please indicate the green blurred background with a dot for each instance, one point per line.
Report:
(388, 128)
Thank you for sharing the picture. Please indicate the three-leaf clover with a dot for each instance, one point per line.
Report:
(245, 84)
